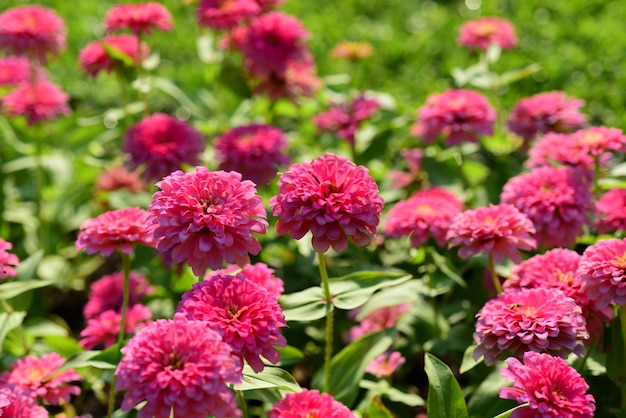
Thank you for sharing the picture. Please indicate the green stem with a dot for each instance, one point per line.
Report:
(140, 72)
(622, 321)
(330, 314)
(242, 403)
(581, 366)
(596, 177)
(494, 274)
(39, 186)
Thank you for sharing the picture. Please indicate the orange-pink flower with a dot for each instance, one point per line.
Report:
(480, 33)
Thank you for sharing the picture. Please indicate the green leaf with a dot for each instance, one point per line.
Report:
(232, 77)
(615, 362)
(445, 399)
(410, 399)
(9, 321)
(307, 305)
(507, 414)
(468, 362)
(106, 359)
(485, 401)
(446, 267)
(270, 377)
(16, 288)
(378, 410)
(289, 355)
(27, 268)
(65, 346)
(353, 290)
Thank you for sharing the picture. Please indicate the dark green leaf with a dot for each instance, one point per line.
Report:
(446, 267)
(615, 362)
(106, 359)
(468, 362)
(445, 399)
(507, 414)
(289, 355)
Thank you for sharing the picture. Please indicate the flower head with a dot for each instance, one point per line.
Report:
(611, 211)
(115, 230)
(103, 329)
(106, 293)
(116, 178)
(8, 261)
(541, 320)
(480, 33)
(552, 388)
(181, 365)
(331, 197)
(309, 403)
(376, 320)
(207, 218)
(37, 102)
(16, 402)
(259, 273)
(351, 51)
(501, 230)
(247, 316)
(14, 70)
(344, 119)
(385, 364)
(413, 159)
(602, 270)
(96, 56)
(138, 17)
(458, 115)
(226, 14)
(163, 143)
(41, 376)
(299, 78)
(254, 150)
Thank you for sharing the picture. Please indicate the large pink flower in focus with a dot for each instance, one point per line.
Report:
(226, 14)
(309, 403)
(501, 230)
(247, 316)
(14, 70)
(427, 212)
(103, 329)
(458, 115)
(558, 200)
(8, 261)
(163, 143)
(520, 320)
(331, 197)
(41, 376)
(258, 273)
(181, 365)
(19, 403)
(31, 30)
(552, 388)
(480, 33)
(115, 230)
(138, 17)
(602, 270)
(37, 102)
(546, 112)
(253, 150)
(611, 211)
(106, 293)
(207, 218)
(95, 57)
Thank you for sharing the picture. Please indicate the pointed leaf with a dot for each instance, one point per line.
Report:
(9, 321)
(468, 362)
(13, 289)
(27, 268)
(270, 377)
(507, 414)
(353, 290)
(445, 399)
(378, 410)
(307, 305)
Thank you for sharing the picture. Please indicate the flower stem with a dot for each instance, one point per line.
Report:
(242, 403)
(330, 314)
(494, 275)
(596, 177)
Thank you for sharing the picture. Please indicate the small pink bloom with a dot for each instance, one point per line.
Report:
(115, 230)
(138, 17)
(377, 320)
(352, 51)
(331, 197)
(18, 403)
(37, 102)
(14, 70)
(385, 364)
(116, 178)
(413, 159)
(552, 388)
(7, 260)
(258, 273)
(611, 211)
(458, 115)
(309, 403)
(298, 79)
(602, 270)
(226, 14)
(480, 33)
(106, 293)
(501, 230)
(95, 56)
(103, 329)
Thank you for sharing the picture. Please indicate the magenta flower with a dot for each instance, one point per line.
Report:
(41, 376)
(298, 79)
(106, 293)
(31, 30)
(115, 230)
(269, 5)
(7, 260)
(103, 329)
(376, 320)
(602, 270)
(14, 70)
(500, 230)
(558, 200)
(480, 33)
(163, 143)
(138, 17)
(331, 197)
(180, 365)
(18, 403)
(247, 316)
(95, 56)
(552, 388)
(546, 112)
(428, 212)
(598, 140)
(309, 403)
(541, 320)
(207, 218)
(258, 273)
(37, 102)
(116, 178)
(226, 14)
(253, 150)
(457, 115)
(611, 211)
(413, 159)
(385, 364)
(561, 149)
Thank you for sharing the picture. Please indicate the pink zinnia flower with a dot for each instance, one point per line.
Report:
(41, 376)
(331, 197)
(116, 178)
(427, 212)
(413, 159)
(103, 329)
(558, 201)
(139, 17)
(247, 316)
(253, 150)
(106, 293)
(299, 79)
(37, 102)
(458, 115)
(7, 260)
(258, 273)
(32, 30)
(480, 33)
(611, 211)
(115, 230)
(19, 403)
(207, 218)
(163, 143)
(309, 403)
(541, 320)
(14, 70)
(226, 14)
(546, 112)
(552, 388)
(180, 365)
(378, 319)
(95, 56)
(602, 269)
(501, 230)
(385, 364)
(561, 149)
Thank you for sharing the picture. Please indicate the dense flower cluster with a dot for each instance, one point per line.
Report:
(96, 56)
(18, 403)
(8, 261)
(37, 102)
(103, 329)
(309, 403)
(611, 211)
(602, 269)
(553, 148)
(258, 273)
(106, 293)
(480, 33)
(138, 17)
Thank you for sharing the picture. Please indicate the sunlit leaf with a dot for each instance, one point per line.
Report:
(445, 399)
(269, 377)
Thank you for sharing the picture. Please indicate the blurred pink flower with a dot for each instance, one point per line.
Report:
(602, 270)
(14, 70)
(546, 112)
(95, 57)
(520, 320)
(458, 115)
(598, 140)
(116, 178)
(138, 17)
(37, 102)
(501, 230)
(31, 30)
(298, 79)
(7, 260)
(331, 197)
(226, 14)
(115, 230)
(181, 365)
(19, 403)
(106, 293)
(385, 364)
(611, 211)
(552, 388)
(247, 316)
(41, 376)
(309, 403)
(479, 33)
(343, 119)
(163, 143)
(558, 201)
(253, 150)
(269, 5)
(413, 159)
(351, 50)
(207, 218)
(560, 149)
(103, 329)
(258, 273)
(376, 320)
